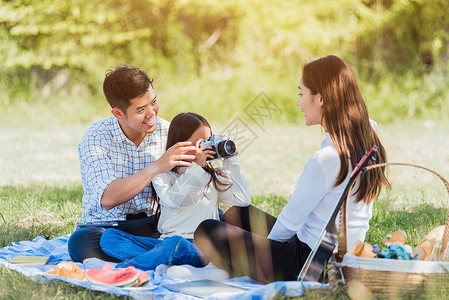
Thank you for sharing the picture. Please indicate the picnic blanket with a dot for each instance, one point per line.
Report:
(56, 249)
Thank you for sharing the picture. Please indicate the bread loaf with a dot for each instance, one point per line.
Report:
(397, 237)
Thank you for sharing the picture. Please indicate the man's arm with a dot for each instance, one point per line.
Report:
(122, 190)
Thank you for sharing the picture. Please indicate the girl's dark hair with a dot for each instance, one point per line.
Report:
(181, 129)
(345, 117)
(155, 206)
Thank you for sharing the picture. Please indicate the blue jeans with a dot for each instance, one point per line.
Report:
(147, 253)
(85, 242)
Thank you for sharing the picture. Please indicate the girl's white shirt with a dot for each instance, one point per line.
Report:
(189, 197)
(314, 200)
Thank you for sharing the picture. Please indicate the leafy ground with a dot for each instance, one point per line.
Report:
(40, 190)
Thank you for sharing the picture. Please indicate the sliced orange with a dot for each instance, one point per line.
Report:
(67, 269)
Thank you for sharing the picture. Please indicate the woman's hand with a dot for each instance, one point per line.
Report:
(202, 153)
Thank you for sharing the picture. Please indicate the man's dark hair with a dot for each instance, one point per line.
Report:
(123, 84)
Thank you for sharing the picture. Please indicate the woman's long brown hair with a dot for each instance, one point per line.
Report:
(345, 118)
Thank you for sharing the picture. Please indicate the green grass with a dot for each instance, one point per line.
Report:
(38, 211)
(416, 221)
(231, 89)
(16, 286)
(48, 211)
(40, 186)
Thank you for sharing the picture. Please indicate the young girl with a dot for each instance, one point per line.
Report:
(188, 196)
(328, 96)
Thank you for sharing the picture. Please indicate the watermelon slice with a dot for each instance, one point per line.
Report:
(144, 277)
(119, 277)
(107, 266)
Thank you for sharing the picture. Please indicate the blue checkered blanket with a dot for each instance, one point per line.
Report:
(56, 249)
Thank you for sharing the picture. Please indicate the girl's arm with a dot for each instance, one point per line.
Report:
(185, 190)
(238, 194)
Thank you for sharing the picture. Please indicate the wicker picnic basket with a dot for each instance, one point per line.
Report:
(390, 275)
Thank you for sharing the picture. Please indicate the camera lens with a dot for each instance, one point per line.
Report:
(226, 148)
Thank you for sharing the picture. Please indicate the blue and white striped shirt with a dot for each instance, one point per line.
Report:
(106, 154)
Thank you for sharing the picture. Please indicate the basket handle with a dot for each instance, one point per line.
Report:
(342, 233)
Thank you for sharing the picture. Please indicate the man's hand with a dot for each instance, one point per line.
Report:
(124, 189)
(180, 154)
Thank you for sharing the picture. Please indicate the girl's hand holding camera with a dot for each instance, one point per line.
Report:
(202, 153)
(221, 172)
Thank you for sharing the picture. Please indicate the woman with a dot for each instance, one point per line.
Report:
(328, 96)
(187, 196)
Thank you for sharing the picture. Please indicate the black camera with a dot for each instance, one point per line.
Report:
(222, 146)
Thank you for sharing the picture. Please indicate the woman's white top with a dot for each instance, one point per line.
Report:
(187, 198)
(314, 200)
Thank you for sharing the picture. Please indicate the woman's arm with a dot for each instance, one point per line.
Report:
(311, 188)
(280, 232)
(238, 194)
(185, 190)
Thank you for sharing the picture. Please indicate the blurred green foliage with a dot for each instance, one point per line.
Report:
(225, 53)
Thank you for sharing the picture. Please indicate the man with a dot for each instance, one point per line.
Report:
(119, 156)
